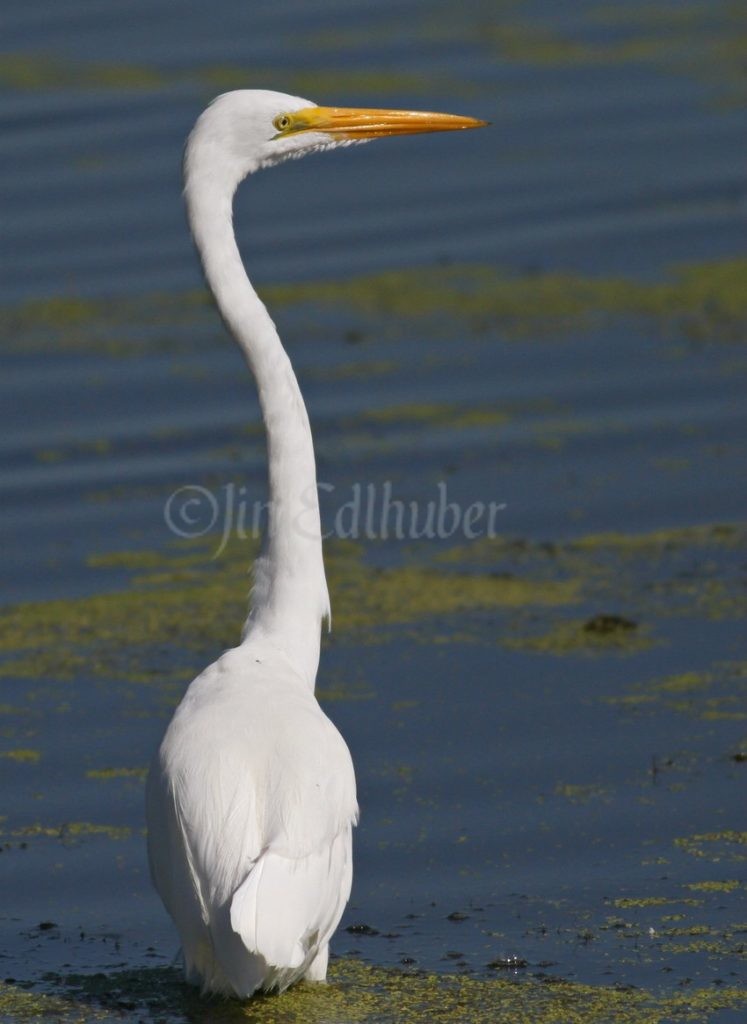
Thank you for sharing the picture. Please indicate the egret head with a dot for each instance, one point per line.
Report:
(251, 128)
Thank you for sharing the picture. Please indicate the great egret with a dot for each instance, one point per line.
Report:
(251, 797)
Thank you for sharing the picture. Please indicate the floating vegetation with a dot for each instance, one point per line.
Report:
(703, 302)
(580, 793)
(704, 40)
(725, 885)
(326, 81)
(29, 71)
(106, 774)
(440, 414)
(574, 637)
(22, 1007)
(607, 625)
(660, 542)
(728, 845)
(361, 994)
(197, 603)
(22, 755)
(38, 71)
(353, 370)
(644, 902)
(185, 603)
(719, 693)
(69, 831)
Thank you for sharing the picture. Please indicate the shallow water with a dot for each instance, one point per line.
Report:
(549, 727)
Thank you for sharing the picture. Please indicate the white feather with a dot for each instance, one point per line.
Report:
(253, 795)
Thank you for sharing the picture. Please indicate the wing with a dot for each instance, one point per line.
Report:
(173, 871)
(251, 816)
(287, 908)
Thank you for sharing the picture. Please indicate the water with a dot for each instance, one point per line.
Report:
(548, 727)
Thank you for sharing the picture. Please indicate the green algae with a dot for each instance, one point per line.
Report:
(69, 323)
(704, 302)
(690, 929)
(50, 455)
(57, 311)
(440, 414)
(409, 593)
(718, 714)
(70, 831)
(656, 545)
(728, 844)
(729, 535)
(705, 41)
(106, 774)
(30, 71)
(692, 693)
(319, 82)
(22, 1007)
(725, 885)
(363, 370)
(709, 947)
(337, 687)
(369, 994)
(524, 43)
(709, 598)
(629, 583)
(685, 682)
(332, 694)
(362, 994)
(96, 446)
(156, 561)
(194, 603)
(38, 71)
(580, 793)
(646, 902)
(22, 755)
(554, 432)
(574, 637)
(187, 602)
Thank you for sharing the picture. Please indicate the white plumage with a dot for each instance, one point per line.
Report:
(251, 798)
(250, 810)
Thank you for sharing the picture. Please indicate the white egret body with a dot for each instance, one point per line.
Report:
(251, 798)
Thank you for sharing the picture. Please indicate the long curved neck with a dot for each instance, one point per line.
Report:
(290, 597)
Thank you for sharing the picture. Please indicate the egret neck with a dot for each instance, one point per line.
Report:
(290, 597)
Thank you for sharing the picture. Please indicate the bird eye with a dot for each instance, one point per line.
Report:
(282, 122)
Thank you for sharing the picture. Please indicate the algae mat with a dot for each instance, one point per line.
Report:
(363, 995)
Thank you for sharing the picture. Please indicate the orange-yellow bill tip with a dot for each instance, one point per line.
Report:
(366, 123)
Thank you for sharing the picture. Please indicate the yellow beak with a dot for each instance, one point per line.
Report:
(365, 123)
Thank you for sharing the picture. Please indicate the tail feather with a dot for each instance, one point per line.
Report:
(273, 908)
